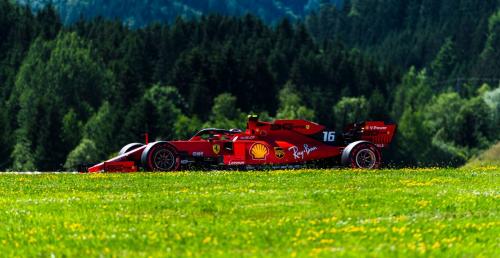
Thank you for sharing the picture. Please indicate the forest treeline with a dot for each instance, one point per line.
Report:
(136, 13)
(79, 92)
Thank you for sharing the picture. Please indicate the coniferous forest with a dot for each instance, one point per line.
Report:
(73, 92)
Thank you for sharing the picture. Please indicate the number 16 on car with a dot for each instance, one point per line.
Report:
(328, 136)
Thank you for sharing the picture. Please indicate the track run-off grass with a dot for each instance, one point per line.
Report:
(406, 213)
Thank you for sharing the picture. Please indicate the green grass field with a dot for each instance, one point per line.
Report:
(406, 213)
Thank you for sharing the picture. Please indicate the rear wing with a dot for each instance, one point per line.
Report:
(377, 132)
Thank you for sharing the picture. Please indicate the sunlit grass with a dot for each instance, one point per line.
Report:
(408, 212)
(490, 157)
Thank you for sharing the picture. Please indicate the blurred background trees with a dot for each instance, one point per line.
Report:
(96, 84)
(291, 105)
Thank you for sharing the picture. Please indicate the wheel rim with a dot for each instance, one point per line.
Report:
(164, 160)
(366, 158)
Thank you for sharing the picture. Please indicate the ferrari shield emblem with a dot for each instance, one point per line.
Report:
(216, 148)
(279, 152)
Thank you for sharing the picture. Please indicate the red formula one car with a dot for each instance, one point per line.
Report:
(281, 144)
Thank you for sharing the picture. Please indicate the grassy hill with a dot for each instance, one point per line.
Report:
(490, 157)
(405, 213)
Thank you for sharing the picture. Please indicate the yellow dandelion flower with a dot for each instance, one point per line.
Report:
(326, 241)
(299, 231)
(422, 248)
(423, 203)
(207, 240)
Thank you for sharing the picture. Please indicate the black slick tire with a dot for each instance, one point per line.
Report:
(363, 155)
(160, 156)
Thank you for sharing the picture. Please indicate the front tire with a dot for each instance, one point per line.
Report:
(130, 147)
(160, 156)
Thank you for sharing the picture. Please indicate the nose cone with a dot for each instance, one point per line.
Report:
(96, 168)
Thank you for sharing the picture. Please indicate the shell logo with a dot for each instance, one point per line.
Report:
(259, 151)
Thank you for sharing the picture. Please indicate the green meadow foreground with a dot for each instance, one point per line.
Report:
(436, 212)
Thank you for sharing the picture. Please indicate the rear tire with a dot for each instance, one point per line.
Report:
(160, 156)
(130, 147)
(363, 155)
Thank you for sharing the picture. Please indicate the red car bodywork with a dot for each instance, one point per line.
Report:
(278, 143)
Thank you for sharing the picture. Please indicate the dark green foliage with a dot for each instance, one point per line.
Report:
(445, 129)
(99, 84)
(492, 99)
(58, 84)
(350, 110)
(490, 56)
(225, 107)
(411, 32)
(4, 138)
(291, 105)
(163, 106)
(413, 140)
(71, 129)
(86, 151)
(474, 125)
(444, 63)
(101, 130)
(185, 127)
(225, 113)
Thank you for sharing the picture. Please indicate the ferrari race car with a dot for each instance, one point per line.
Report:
(281, 144)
